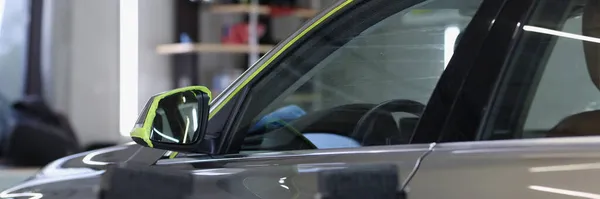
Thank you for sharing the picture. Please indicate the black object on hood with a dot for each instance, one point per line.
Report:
(38, 135)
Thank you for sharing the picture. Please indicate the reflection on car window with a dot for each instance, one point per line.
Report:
(553, 85)
(320, 96)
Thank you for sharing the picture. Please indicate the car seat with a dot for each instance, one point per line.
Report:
(585, 123)
(37, 134)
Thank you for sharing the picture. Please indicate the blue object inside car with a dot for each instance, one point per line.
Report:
(322, 140)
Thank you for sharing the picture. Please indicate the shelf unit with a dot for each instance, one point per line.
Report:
(182, 48)
(185, 55)
(179, 48)
(262, 10)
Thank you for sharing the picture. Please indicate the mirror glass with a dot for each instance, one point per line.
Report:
(176, 119)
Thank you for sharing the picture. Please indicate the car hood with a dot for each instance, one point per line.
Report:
(74, 176)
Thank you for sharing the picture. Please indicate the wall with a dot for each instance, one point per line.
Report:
(13, 46)
(83, 57)
(82, 42)
(155, 27)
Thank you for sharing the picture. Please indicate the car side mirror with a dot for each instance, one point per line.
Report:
(174, 120)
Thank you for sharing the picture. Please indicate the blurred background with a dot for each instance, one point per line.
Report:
(83, 69)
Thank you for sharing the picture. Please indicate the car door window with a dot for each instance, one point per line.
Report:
(320, 96)
(552, 84)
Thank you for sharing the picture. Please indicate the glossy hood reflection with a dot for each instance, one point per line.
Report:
(78, 170)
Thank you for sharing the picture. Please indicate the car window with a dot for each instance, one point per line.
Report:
(320, 97)
(551, 87)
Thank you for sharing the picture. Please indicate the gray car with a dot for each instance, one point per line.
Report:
(510, 110)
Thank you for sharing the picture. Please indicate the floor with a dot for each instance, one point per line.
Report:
(10, 177)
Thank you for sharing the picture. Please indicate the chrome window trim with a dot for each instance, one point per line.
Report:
(305, 153)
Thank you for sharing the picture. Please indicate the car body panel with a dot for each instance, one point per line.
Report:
(534, 168)
(549, 168)
(290, 174)
(69, 177)
(261, 175)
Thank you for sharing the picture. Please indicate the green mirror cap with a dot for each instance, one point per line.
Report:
(176, 110)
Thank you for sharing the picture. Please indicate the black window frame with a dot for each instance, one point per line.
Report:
(475, 48)
(472, 106)
(540, 46)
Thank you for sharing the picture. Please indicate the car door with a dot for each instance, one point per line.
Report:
(529, 130)
(299, 112)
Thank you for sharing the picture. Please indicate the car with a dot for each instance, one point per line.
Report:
(468, 98)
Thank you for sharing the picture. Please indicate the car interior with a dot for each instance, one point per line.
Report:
(368, 105)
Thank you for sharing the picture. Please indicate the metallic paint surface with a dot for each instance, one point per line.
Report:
(262, 175)
(536, 168)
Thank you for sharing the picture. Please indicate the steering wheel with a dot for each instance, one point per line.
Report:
(362, 131)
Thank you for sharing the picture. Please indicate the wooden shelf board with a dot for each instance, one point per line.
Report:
(179, 48)
(264, 10)
(241, 8)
